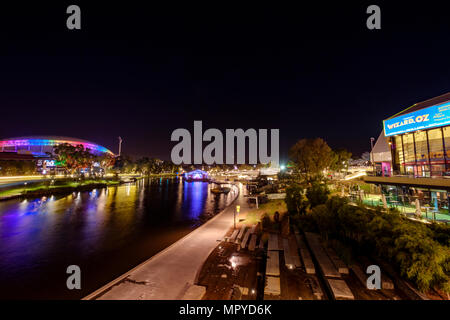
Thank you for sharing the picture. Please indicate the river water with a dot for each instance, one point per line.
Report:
(105, 232)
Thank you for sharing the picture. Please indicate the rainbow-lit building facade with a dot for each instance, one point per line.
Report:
(40, 146)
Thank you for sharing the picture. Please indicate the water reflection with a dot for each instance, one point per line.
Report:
(105, 231)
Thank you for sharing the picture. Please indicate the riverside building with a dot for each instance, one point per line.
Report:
(412, 155)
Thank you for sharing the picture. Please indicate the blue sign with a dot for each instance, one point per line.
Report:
(434, 116)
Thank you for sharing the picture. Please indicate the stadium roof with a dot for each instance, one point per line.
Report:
(52, 140)
(424, 104)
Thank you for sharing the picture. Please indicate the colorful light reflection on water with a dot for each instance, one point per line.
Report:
(106, 232)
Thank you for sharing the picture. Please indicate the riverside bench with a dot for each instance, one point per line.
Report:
(240, 235)
(245, 240)
(252, 244)
(233, 235)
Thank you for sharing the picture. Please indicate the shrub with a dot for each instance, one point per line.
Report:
(265, 221)
(296, 202)
(276, 216)
(317, 194)
(420, 252)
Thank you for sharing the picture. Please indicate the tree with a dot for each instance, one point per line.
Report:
(317, 194)
(366, 156)
(72, 157)
(106, 160)
(17, 167)
(295, 200)
(310, 158)
(340, 160)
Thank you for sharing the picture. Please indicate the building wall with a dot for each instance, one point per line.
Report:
(424, 153)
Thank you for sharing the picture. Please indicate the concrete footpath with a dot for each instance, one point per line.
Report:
(172, 272)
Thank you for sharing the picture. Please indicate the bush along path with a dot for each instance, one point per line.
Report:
(419, 252)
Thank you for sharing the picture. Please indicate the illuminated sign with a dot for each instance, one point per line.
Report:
(49, 163)
(46, 163)
(434, 116)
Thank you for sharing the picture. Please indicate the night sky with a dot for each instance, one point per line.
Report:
(141, 72)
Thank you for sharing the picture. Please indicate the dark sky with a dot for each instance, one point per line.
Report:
(141, 72)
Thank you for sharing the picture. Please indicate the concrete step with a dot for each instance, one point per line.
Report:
(340, 290)
(386, 282)
(273, 263)
(362, 276)
(325, 263)
(261, 243)
(194, 292)
(288, 261)
(338, 263)
(272, 286)
(306, 257)
(316, 289)
(273, 242)
(293, 249)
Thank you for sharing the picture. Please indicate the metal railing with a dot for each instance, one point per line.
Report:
(397, 173)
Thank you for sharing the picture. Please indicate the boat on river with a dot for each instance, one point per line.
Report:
(220, 190)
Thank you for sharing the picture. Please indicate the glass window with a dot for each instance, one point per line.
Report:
(423, 168)
(447, 140)
(408, 145)
(436, 147)
(398, 154)
(436, 152)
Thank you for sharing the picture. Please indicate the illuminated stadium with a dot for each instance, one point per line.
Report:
(39, 146)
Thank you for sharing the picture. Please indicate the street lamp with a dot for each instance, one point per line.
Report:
(236, 210)
(371, 153)
(120, 146)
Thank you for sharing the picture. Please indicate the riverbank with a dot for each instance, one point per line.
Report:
(104, 231)
(45, 188)
(171, 272)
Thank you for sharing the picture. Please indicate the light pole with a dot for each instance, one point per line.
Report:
(120, 146)
(371, 153)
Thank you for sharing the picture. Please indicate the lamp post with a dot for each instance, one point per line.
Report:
(120, 146)
(371, 152)
(236, 210)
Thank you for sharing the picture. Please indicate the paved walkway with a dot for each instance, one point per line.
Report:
(169, 274)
